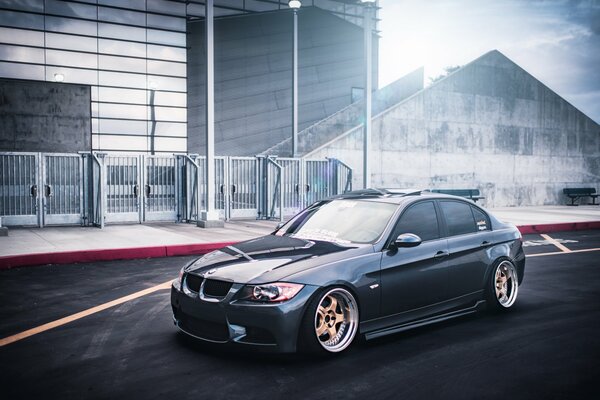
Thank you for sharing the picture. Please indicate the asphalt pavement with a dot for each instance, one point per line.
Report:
(547, 347)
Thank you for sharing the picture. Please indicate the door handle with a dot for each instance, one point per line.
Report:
(148, 190)
(233, 189)
(48, 190)
(33, 191)
(296, 188)
(136, 190)
(485, 243)
(307, 188)
(441, 254)
(222, 189)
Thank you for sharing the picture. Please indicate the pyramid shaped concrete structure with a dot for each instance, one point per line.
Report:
(490, 125)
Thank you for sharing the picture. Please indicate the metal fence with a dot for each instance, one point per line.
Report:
(95, 188)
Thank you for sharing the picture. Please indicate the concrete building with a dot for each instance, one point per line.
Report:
(490, 125)
(132, 57)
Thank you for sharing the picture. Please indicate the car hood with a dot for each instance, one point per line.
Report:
(270, 258)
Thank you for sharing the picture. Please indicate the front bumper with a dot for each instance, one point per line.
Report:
(271, 327)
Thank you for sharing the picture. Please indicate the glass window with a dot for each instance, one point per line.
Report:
(421, 220)
(126, 111)
(481, 219)
(22, 36)
(21, 20)
(122, 79)
(176, 145)
(122, 64)
(168, 128)
(21, 71)
(166, 7)
(94, 109)
(94, 126)
(459, 217)
(164, 37)
(73, 75)
(121, 32)
(170, 114)
(23, 54)
(166, 83)
(68, 25)
(70, 58)
(117, 126)
(70, 9)
(121, 16)
(131, 49)
(134, 4)
(25, 5)
(166, 53)
(170, 99)
(94, 93)
(115, 95)
(166, 68)
(164, 22)
(343, 221)
(124, 143)
(70, 42)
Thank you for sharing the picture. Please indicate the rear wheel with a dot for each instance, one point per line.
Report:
(503, 286)
(330, 322)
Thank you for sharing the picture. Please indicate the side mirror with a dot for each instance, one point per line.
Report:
(407, 240)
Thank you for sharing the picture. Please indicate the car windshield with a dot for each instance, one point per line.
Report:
(342, 221)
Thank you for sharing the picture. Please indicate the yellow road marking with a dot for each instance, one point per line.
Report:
(84, 313)
(554, 242)
(556, 253)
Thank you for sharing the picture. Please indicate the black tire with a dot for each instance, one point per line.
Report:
(308, 339)
(502, 286)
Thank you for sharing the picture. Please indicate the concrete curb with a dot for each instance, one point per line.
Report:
(79, 256)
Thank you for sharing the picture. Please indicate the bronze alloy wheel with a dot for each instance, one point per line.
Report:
(506, 284)
(336, 320)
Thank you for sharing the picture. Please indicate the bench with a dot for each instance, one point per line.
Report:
(471, 194)
(576, 193)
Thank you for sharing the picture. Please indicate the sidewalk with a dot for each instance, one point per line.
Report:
(33, 246)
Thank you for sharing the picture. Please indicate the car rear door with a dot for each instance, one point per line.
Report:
(414, 277)
(468, 231)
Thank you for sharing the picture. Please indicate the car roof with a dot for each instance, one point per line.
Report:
(394, 195)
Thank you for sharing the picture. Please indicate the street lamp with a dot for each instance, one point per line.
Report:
(295, 5)
(368, 4)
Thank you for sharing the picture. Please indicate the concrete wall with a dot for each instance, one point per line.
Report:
(490, 125)
(44, 116)
(253, 59)
(351, 116)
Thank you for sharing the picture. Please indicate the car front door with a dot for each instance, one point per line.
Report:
(414, 277)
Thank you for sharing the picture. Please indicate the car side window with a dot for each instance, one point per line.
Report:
(459, 217)
(420, 219)
(481, 220)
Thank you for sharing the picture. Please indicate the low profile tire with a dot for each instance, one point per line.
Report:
(503, 286)
(330, 322)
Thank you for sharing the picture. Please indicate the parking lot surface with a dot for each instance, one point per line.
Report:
(104, 330)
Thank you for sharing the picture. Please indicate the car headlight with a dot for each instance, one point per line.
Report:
(271, 292)
(177, 282)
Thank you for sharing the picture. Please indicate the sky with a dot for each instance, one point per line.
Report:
(557, 41)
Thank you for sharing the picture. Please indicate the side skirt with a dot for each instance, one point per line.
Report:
(426, 321)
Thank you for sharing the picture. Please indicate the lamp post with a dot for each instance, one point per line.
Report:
(368, 5)
(295, 5)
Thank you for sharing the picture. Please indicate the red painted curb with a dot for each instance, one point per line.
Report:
(562, 227)
(78, 256)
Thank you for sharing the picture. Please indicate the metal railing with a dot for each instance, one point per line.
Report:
(97, 188)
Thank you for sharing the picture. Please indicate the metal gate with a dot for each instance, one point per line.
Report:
(97, 188)
(122, 188)
(160, 188)
(62, 189)
(19, 192)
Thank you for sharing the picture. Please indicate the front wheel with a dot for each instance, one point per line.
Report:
(503, 286)
(330, 322)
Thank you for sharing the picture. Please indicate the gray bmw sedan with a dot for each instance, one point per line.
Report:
(370, 263)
